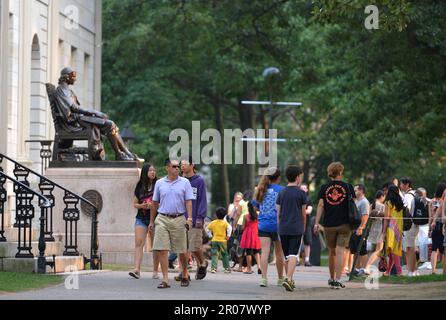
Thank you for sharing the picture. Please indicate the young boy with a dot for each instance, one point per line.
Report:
(219, 230)
(291, 210)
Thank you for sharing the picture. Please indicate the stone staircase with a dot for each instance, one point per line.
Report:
(8, 250)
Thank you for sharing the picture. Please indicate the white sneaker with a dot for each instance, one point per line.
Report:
(417, 273)
(425, 266)
(410, 274)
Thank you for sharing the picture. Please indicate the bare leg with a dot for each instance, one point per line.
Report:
(279, 258)
(266, 245)
(339, 262)
(411, 259)
(184, 258)
(332, 262)
(257, 257)
(249, 263)
(434, 261)
(307, 252)
(374, 256)
(163, 258)
(292, 262)
(140, 239)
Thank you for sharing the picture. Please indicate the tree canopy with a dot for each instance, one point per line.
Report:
(372, 99)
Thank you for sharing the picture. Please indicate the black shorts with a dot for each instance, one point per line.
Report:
(274, 236)
(308, 235)
(354, 243)
(290, 245)
(251, 252)
(438, 238)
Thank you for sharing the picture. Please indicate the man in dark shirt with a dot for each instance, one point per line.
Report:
(333, 204)
(291, 211)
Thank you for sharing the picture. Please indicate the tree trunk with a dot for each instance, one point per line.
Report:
(247, 120)
(224, 177)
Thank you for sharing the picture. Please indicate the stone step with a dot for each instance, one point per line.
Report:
(9, 249)
(28, 265)
(12, 235)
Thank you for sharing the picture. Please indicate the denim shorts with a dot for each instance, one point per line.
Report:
(140, 223)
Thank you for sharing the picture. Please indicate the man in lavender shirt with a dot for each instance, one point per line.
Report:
(199, 213)
(172, 198)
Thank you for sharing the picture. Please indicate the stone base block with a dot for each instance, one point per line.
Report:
(127, 258)
(9, 249)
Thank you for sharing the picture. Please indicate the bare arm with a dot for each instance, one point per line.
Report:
(153, 210)
(386, 218)
(278, 213)
(138, 205)
(319, 212)
(304, 215)
(309, 209)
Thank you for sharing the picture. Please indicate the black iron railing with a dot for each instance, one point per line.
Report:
(25, 214)
(25, 217)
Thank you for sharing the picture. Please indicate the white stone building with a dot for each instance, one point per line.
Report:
(37, 39)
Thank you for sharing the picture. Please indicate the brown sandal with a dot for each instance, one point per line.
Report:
(163, 285)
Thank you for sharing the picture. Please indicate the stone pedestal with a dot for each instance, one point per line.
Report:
(117, 217)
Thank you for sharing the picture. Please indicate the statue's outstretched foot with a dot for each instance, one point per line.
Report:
(121, 156)
(134, 156)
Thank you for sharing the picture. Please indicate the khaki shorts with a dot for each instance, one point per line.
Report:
(338, 236)
(195, 239)
(410, 236)
(170, 234)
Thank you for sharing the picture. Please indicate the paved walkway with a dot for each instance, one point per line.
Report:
(311, 284)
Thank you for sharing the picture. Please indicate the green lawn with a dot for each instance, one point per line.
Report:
(408, 280)
(15, 282)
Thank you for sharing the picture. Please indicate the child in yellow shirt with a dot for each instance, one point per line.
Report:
(219, 230)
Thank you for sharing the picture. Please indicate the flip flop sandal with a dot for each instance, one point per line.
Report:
(201, 272)
(180, 277)
(185, 282)
(163, 285)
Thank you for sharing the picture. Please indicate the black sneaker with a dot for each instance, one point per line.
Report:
(308, 264)
(337, 285)
(330, 282)
(171, 265)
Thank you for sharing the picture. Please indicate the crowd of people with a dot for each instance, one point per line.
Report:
(273, 223)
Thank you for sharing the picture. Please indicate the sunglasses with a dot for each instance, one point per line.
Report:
(176, 167)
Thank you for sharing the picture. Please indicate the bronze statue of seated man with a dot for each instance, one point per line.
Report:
(75, 118)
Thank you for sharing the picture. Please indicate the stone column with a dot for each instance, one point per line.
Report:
(23, 112)
(98, 55)
(4, 86)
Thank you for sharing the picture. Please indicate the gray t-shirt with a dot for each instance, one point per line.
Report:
(362, 205)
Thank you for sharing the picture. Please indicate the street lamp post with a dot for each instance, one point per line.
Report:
(270, 74)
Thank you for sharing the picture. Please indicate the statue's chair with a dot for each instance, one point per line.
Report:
(64, 149)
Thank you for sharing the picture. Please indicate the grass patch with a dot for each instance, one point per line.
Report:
(407, 280)
(16, 282)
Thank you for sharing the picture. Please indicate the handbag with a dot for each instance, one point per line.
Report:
(354, 216)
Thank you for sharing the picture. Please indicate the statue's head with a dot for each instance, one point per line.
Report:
(68, 76)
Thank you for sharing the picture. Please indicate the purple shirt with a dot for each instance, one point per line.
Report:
(172, 195)
(199, 203)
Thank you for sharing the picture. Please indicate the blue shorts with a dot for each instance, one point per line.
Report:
(140, 223)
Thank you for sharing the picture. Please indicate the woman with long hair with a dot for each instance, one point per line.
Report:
(265, 200)
(393, 228)
(142, 201)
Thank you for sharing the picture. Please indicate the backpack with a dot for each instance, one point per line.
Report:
(420, 214)
(407, 219)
